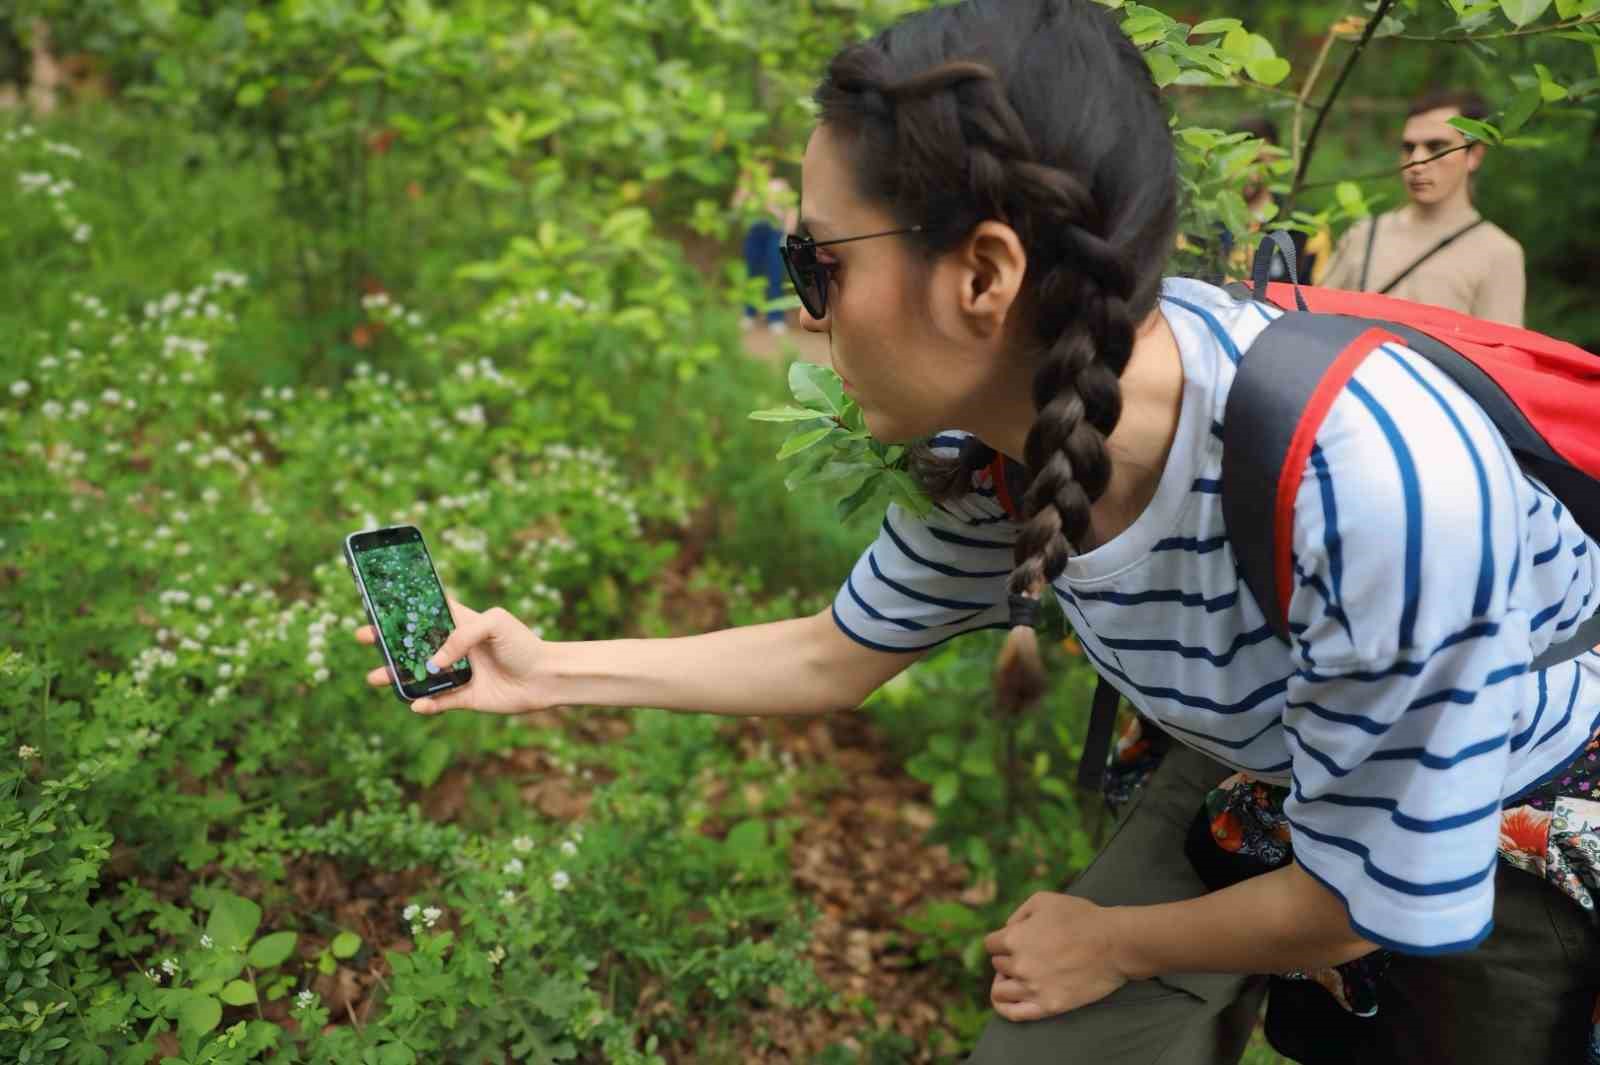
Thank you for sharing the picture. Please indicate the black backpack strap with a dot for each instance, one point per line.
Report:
(1425, 256)
(1275, 244)
(1282, 391)
(1097, 742)
(1366, 261)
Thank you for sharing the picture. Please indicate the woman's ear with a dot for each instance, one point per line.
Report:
(991, 265)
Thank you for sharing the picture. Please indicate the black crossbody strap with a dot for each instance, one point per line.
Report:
(1366, 262)
(1097, 742)
(1430, 253)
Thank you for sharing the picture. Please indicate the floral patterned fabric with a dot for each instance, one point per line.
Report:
(1552, 832)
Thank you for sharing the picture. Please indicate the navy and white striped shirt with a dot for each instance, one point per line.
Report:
(1431, 572)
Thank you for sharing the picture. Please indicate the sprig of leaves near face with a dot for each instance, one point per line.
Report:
(835, 448)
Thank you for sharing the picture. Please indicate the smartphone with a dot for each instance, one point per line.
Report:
(406, 606)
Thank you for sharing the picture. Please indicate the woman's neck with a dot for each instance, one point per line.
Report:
(1152, 397)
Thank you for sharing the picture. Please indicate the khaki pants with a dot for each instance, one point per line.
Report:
(1524, 996)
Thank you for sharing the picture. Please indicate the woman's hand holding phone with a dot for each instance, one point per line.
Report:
(505, 664)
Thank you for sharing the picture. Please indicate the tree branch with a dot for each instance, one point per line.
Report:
(1333, 96)
(1525, 31)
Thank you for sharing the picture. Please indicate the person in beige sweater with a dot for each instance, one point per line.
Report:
(1436, 248)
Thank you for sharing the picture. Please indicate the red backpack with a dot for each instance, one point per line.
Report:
(1542, 394)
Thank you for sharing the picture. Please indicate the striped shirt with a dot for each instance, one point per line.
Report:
(1430, 573)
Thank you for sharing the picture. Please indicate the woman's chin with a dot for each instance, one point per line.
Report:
(889, 430)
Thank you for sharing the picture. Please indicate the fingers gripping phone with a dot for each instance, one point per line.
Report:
(406, 605)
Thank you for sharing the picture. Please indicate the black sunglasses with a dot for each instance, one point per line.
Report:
(811, 277)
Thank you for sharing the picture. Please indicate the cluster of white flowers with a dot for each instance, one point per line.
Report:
(468, 541)
(21, 133)
(206, 942)
(90, 305)
(484, 368)
(497, 955)
(472, 414)
(385, 308)
(149, 660)
(305, 999)
(429, 916)
(513, 310)
(560, 880)
(57, 189)
(522, 844)
(316, 644)
(140, 739)
(27, 753)
(512, 867)
(170, 966)
(196, 348)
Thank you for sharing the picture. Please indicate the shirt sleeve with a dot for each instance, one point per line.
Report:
(926, 580)
(1399, 717)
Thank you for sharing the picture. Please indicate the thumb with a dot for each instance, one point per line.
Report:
(469, 634)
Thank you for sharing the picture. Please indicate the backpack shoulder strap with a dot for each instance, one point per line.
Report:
(1284, 387)
(1283, 390)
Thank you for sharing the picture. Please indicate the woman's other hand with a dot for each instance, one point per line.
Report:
(1052, 956)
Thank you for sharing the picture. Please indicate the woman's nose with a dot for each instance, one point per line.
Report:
(812, 325)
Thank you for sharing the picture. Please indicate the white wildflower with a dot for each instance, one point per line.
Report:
(26, 753)
(206, 942)
(559, 880)
(305, 998)
(512, 867)
(569, 848)
(20, 388)
(410, 912)
(523, 844)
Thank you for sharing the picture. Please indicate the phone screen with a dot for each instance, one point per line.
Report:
(408, 607)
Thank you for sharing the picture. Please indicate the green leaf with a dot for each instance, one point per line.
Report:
(747, 841)
(785, 414)
(945, 789)
(251, 95)
(1163, 68)
(1521, 109)
(817, 387)
(345, 945)
(1215, 25)
(396, 1054)
(857, 499)
(1550, 90)
(1349, 196)
(199, 1014)
(272, 950)
(233, 921)
(1267, 71)
(239, 993)
(800, 441)
(1522, 12)
(1482, 131)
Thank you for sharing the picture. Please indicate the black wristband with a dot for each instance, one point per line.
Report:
(1024, 610)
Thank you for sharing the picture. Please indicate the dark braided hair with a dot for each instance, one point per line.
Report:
(1040, 114)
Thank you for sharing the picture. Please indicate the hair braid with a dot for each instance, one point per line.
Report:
(997, 109)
